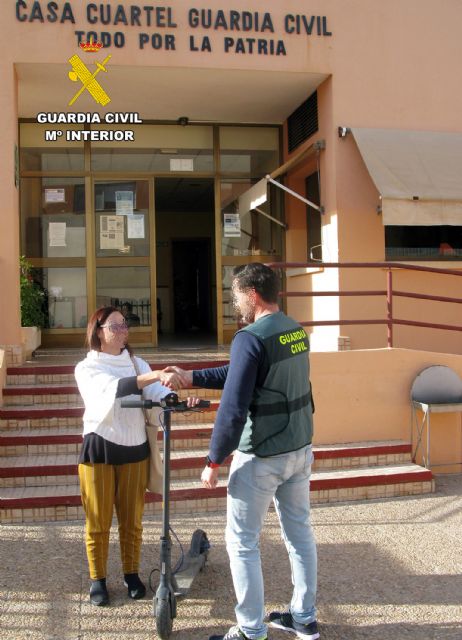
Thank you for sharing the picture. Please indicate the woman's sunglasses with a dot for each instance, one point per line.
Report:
(114, 327)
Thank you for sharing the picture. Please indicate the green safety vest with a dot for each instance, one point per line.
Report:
(280, 415)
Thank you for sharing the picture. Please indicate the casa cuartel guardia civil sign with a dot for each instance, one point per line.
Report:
(156, 28)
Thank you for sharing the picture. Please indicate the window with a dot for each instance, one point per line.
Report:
(53, 217)
(65, 291)
(38, 154)
(250, 150)
(158, 148)
(128, 287)
(439, 242)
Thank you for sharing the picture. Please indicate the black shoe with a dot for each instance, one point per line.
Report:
(98, 593)
(285, 622)
(234, 634)
(136, 588)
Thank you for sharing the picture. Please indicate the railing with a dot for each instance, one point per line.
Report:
(389, 321)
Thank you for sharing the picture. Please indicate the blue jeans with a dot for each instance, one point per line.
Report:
(253, 483)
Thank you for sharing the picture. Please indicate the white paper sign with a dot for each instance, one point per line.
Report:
(57, 234)
(181, 164)
(124, 203)
(55, 195)
(232, 225)
(111, 233)
(135, 226)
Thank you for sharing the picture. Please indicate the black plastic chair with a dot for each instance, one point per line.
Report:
(436, 389)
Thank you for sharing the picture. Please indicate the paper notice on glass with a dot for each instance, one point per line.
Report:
(135, 226)
(55, 195)
(124, 203)
(232, 225)
(111, 233)
(181, 164)
(57, 234)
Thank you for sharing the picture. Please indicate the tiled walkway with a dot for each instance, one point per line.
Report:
(387, 569)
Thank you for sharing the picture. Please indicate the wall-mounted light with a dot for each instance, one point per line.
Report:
(343, 132)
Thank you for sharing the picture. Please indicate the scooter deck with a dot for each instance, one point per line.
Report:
(185, 577)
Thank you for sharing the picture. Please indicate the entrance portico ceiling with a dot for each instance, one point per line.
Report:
(209, 95)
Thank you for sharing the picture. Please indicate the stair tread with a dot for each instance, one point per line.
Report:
(63, 459)
(389, 471)
(186, 361)
(51, 431)
(38, 460)
(356, 472)
(28, 389)
(57, 407)
(16, 493)
(33, 460)
(364, 444)
(32, 433)
(68, 388)
(37, 408)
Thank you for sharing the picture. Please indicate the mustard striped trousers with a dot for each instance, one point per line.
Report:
(102, 486)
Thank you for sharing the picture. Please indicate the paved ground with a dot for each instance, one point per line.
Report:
(387, 569)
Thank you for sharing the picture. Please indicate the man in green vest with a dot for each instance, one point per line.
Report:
(265, 416)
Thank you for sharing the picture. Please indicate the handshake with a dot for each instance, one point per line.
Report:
(175, 378)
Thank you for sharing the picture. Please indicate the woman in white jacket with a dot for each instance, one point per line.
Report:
(113, 461)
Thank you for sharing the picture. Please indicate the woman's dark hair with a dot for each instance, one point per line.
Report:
(259, 277)
(97, 319)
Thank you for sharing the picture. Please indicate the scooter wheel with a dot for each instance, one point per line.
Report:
(164, 621)
(199, 543)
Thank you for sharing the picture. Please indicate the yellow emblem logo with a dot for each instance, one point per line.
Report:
(81, 72)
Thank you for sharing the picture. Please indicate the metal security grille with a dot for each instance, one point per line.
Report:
(303, 122)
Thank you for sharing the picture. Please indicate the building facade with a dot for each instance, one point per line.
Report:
(145, 145)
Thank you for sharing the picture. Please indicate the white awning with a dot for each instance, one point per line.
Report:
(417, 173)
(253, 197)
(257, 195)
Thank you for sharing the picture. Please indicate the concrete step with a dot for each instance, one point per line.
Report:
(37, 373)
(368, 483)
(68, 394)
(361, 454)
(36, 504)
(53, 415)
(61, 468)
(21, 442)
(48, 504)
(56, 393)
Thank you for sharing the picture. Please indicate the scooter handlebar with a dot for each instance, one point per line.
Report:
(137, 404)
(170, 401)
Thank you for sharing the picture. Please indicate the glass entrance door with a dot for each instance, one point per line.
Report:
(124, 260)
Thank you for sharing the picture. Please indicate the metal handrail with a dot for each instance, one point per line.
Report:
(389, 321)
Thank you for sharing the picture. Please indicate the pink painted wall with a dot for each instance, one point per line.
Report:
(10, 325)
(372, 391)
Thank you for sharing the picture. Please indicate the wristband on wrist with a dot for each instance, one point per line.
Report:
(209, 463)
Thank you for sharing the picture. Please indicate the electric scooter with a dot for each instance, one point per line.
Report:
(173, 583)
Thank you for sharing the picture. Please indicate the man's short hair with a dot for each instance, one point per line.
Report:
(259, 277)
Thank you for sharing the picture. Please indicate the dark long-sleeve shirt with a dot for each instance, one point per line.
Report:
(247, 369)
